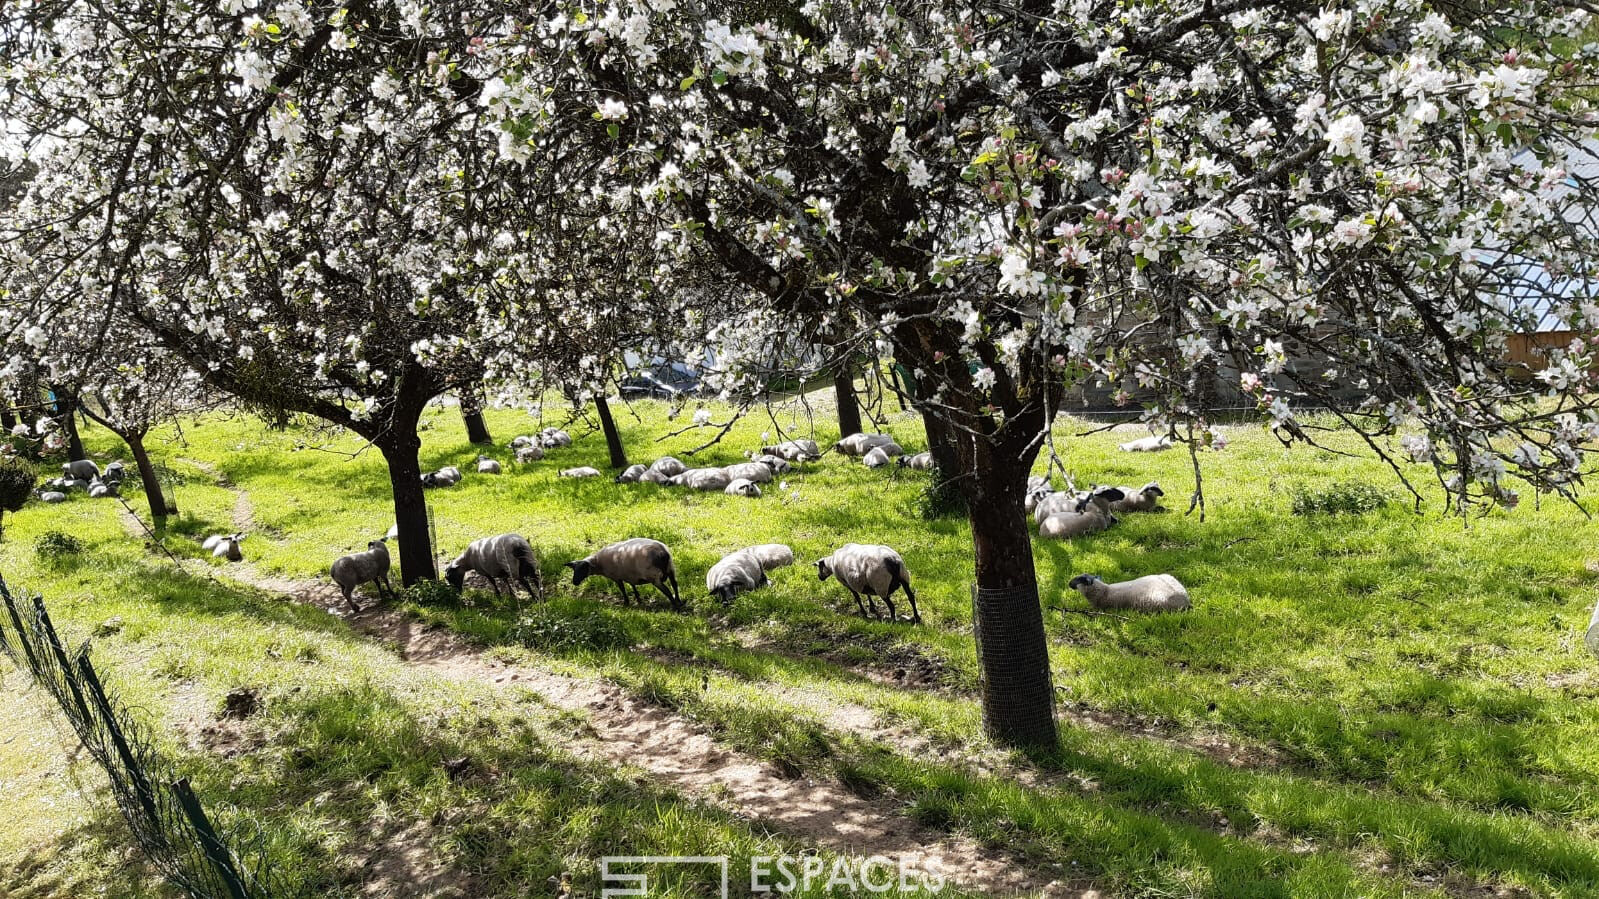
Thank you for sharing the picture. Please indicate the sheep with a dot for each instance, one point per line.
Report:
(1150, 593)
(701, 479)
(771, 555)
(777, 464)
(1091, 516)
(115, 472)
(1062, 502)
(918, 462)
(795, 450)
(368, 567)
(631, 474)
(507, 556)
(1150, 444)
(1144, 499)
(743, 487)
(485, 465)
(71, 484)
(451, 472)
(432, 479)
(861, 444)
(550, 438)
(750, 471)
(225, 546)
(81, 469)
(738, 572)
(872, 569)
(878, 456)
(1036, 495)
(526, 454)
(669, 466)
(522, 441)
(582, 471)
(53, 496)
(651, 476)
(639, 560)
(99, 488)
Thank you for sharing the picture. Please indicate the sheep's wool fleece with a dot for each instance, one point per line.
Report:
(863, 567)
(740, 569)
(632, 561)
(495, 557)
(772, 555)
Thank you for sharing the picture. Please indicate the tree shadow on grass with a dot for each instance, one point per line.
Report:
(96, 858)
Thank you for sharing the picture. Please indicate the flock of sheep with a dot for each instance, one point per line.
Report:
(85, 475)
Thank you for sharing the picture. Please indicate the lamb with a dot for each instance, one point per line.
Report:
(1036, 493)
(743, 487)
(507, 556)
(861, 444)
(751, 471)
(369, 567)
(451, 472)
(526, 454)
(1091, 516)
(485, 465)
(1144, 499)
(582, 471)
(878, 456)
(651, 476)
(81, 469)
(225, 547)
(1150, 593)
(639, 560)
(771, 555)
(53, 496)
(1150, 444)
(74, 484)
(777, 464)
(668, 466)
(432, 479)
(99, 488)
(918, 462)
(1055, 503)
(551, 438)
(701, 479)
(522, 440)
(738, 572)
(872, 569)
(795, 450)
(631, 474)
(115, 472)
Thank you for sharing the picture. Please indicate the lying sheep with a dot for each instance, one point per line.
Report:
(918, 462)
(878, 456)
(369, 567)
(651, 476)
(1055, 503)
(668, 466)
(507, 556)
(1150, 444)
(582, 471)
(777, 464)
(99, 488)
(872, 569)
(701, 479)
(861, 444)
(225, 546)
(738, 572)
(70, 484)
(1144, 499)
(639, 560)
(795, 451)
(451, 472)
(114, 472)
(631, 474)
(1035, 495)
(743, 487)
(53, 496)
(1091, 516)
(550, 438)
(485, 465)
(751, 471)
(772, 555)
(1150, 593)
(81, 469)
(530, 453)
(1591, 636)
(522, 440)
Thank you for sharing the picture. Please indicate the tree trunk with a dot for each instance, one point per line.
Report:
(941, 438)
(477, 431)
(613, 437)
(849, 411)
(152, 485)
(8, 419)
(66, 416)
(400, 448)
(1007, 619)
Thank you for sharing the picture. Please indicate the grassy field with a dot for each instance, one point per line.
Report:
(1381, 703)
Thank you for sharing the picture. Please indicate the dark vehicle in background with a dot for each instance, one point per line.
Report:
(666, 382)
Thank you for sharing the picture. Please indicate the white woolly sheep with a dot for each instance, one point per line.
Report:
(507, 556)
(1150, 593)
(772, 555)
(636, 561)
(99, 488)
(738, 572)
(1063, 502)
(861, 444)
(227, 547)
(631, 474)
(795, 450)
(743, 487)
(70, 484)
(522, 440)
(526, 454)
(701, 479)
(114, 472)
(368, 567)
(669, 466)
(878, 456)
(485, 465)
(82, 469)
(53, 496)
(451, 472)
(918, 462)
(651, 476)
(777, 464)
(1144, 499)
(582, 471)
(1150, 444)
(550, 438)
(872, 569)
(750, 471)
(1091, 516)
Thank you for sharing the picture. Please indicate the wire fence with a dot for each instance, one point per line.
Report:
(162, 811)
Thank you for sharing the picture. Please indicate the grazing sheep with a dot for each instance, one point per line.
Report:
(639, 560)
(227, 547)
(651, 476)
(795, 450)
(861, 444)
(878, 456)
(526, 454)
(485, 465)
(751, 471)
(777, 464)
(872, 569)
(368, 567)
(743, 487)
(918, 462)
(82, 469)
(772, 555)
(668, 466)
(507, 556)
(115, 472)
(1150, 593)
(701, 479)
(551, 438)
(582, 471)
(738, 572)
(53, 496)
(1091, 516)
(1144, 499)
(1150, 444)
(631, 474)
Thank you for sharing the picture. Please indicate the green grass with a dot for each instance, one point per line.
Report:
(1403, 696)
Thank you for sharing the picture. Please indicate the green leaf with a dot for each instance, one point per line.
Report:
(613, 130)
(718, 77)
(688, 82)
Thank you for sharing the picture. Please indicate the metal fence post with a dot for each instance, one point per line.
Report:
(22, 633)
(215, 851)
(141, 785)
(54, 640)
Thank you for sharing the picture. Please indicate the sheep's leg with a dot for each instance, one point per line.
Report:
(677, 594)
(349, 597)
(626, 600)
(661, 586)
(858, 604)
(916, 615)
(892, 615)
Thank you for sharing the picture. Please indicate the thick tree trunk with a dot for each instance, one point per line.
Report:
(8, 419)
(941, 438)
(152, 484)
(410, 504)
(66, 416)
(613, 437)
(849, 410)
(477, 431)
